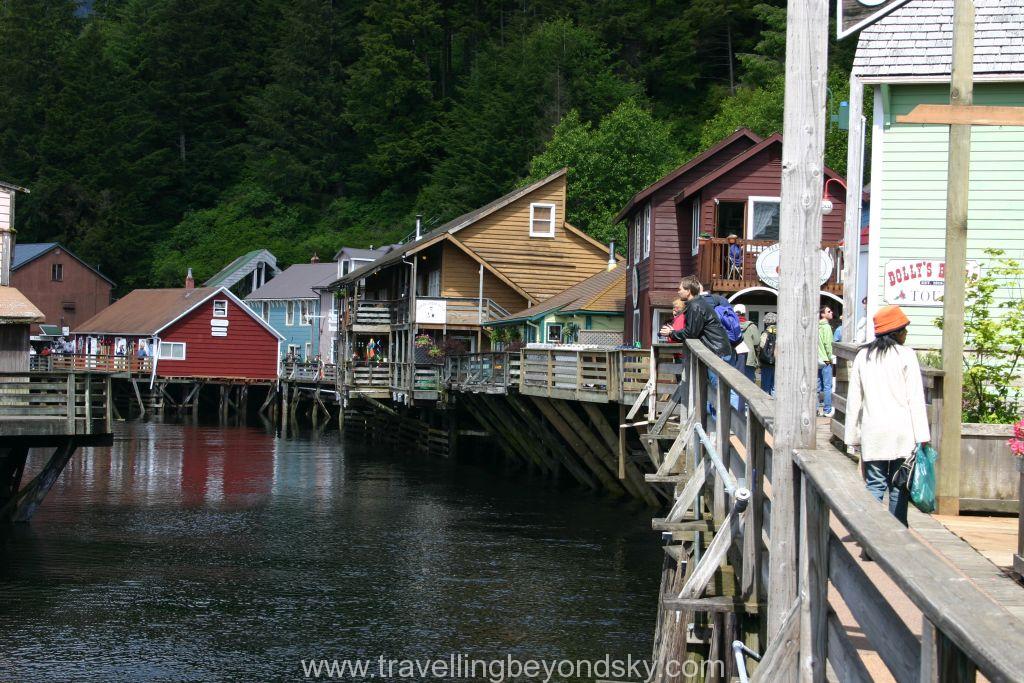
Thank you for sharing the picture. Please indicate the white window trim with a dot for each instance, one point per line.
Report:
(636, 238)
(265, 311)
(637, 327)
(289, 314)
(306, 312)
(551, 222)
(750, 211)
(695, 226)
(220, 302)
(647, 229)
(169, 355)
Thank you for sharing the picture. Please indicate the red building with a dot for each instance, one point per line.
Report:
(717, 217)
(64, 287)
(191, 332)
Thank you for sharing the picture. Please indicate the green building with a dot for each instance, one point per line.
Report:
(905, 59)
(591, 312)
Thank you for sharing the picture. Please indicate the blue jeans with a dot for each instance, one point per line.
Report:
(878, 475)
(825, 385)
(768, 379)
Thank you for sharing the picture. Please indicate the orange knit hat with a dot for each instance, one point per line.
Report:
(889, 318)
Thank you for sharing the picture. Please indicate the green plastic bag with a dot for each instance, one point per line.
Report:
(922, 479)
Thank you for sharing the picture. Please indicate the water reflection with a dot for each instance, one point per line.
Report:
(201, 553)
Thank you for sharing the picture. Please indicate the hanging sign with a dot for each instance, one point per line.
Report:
(918, 282)
(769, 263)
(853, 15)
(432, 311)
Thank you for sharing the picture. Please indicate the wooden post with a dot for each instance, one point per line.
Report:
(854, 192)
(814, 532)
(411, 347)
(800, 241)
(961, 92)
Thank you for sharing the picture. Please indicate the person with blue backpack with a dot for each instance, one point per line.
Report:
(702, 319)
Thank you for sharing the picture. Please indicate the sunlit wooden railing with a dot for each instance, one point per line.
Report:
(38, 403)
(61, 362)
(308, 371)
(735, 269)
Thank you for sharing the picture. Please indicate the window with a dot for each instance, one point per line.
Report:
(309, 351)
(172, 351)
(265, 311)
(647, 230)
(542, 220)
(636, 325)
(729, 218)
(293, 350)
(763, 222)
(695, 237)
(346, 267)
(220, 308)
(57, 272)
(636, 237)
(434, 283)
(306, 312)
(554, 333)
(289, 313)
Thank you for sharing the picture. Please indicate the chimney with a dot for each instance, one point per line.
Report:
(315, 258)
(419, 220)
(190, 282)
(612, 264)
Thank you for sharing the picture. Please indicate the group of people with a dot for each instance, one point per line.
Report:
(886, 418)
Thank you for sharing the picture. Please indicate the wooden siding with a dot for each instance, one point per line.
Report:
(913, 192)
(541, 266)
(249, 350)
(295, 335)
(460, 277)
(671, 256)
(6, 200)
(85, 291)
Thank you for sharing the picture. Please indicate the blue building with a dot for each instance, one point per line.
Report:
(292, 303)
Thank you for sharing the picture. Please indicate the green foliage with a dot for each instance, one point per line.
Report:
(608, 164)
(994, 339)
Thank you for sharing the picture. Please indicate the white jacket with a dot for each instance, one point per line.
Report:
(885, 409)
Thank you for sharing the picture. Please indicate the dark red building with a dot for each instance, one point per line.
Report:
(717, 217)
(64, 287)
(192, 332)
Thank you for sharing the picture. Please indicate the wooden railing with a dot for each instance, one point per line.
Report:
(720, 466)
(426, 377)
(64, 404)
(375, 313)
(576, 374)
(308, 371)
(367, 375)
(467, 310)
(60, 362)
(488, 372)
(732, 273)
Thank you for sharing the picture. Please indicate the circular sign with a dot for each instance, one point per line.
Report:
(769, 263)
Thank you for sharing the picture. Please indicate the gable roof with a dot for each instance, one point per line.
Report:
(295, 282)
(356, 252)
(146, 312)
(916, 39)
(30, 251)
(717, 148)
(604, 292)
(773, 139)
(16, 308)
(451, 227)
(233, 272)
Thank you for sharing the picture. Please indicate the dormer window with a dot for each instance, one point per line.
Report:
(542, 220)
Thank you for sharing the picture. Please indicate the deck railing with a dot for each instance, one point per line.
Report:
(367, 375)
(577, 374)
(308, 371)
(721, 467)
(59, 404)
(98, 363)
(736, 272)
(489, 371)
(375, 313)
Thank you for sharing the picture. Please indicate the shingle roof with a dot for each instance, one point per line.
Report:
(355, 252)
(604, 292)
(29, 251)
(917, 40)
(451, 226)
(16, 308)
(296, 282)
(242, 266)
(144, 311)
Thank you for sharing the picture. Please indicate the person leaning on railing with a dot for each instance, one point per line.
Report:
(885, 414)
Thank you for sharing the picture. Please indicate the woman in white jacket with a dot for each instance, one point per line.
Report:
(885, 411)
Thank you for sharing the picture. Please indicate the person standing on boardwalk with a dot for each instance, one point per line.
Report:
(885, 415)
(766, 352)
(825, 366)
(748, 347)
(701, 320)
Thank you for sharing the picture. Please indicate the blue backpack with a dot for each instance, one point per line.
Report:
(730, 321)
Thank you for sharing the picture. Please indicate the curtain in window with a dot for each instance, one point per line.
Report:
(766, 221)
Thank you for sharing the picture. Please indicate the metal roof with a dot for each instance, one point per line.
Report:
(916, 39)
(242, 266)
(30, 251)
(355, 252)
(604, 292)
(296, 282)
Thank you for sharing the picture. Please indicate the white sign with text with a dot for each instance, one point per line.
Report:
(918, 282)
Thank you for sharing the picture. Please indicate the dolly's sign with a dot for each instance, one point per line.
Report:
(856, 14)
(918, 282)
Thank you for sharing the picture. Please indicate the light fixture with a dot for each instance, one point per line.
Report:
(826, 203)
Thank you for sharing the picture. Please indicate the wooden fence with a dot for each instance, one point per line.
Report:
(91, 363)
(487, 372)
(60, 404)
(716, 584)
(309, 371)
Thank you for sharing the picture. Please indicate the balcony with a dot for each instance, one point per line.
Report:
(451, 311)
(91, 363)
(374, 317)
(726, 274)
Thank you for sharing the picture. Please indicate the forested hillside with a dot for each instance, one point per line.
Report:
(161, 134)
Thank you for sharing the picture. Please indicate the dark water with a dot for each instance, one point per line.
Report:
(204, 553)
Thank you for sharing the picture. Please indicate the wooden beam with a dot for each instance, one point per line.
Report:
(629, 469)
(854, 194)
(604, 456)
(963, 115)
(813, 584)
(779, 661)
(554, 446)
(961, 92)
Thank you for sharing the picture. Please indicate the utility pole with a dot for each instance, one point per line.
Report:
(961, 93)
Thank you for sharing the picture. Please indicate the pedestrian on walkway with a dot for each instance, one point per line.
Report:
(885, 415)
(766, 352)
(746, 350)
(825, 366)
(701, 321)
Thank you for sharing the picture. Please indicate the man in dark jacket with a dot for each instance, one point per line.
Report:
(701, 320)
